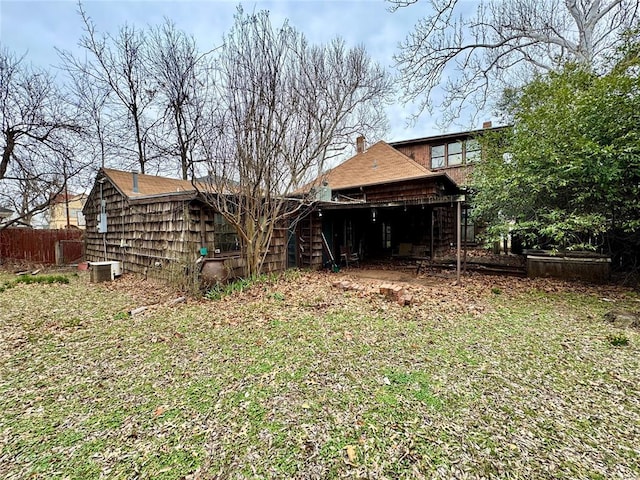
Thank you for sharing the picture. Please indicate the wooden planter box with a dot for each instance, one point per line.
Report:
(586, 266)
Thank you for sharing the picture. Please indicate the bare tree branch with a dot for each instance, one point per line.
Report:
(475, 53)
(182, 82)
(40, 138)
(285, 107)
(117, 67)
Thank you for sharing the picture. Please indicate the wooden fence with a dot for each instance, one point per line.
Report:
(39, 246)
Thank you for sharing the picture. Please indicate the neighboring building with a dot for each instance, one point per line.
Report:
(5, 214)
(8, 218)
(65, 211)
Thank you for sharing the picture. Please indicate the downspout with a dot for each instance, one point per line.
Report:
(102, 211)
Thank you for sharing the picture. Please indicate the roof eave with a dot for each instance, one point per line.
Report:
(408, 179)
(446, 136)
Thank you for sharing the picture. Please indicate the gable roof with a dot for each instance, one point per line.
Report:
(68, 197)
(148, 185)
(381, 163)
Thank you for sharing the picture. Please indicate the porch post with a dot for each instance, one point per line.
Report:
(431, 243)
(458, 239)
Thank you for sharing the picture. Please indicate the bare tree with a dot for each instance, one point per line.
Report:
(92, 101)
(285, 107)
(40, 134)
(117, 68)
(182, 81)
(452, 59)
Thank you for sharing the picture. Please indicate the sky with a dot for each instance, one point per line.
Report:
(36, 28)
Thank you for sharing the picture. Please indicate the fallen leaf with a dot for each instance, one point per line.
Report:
(351, 453)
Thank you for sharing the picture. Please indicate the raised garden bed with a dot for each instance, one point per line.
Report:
(586, 266)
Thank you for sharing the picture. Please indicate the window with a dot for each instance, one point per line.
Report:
(468, 227)
(455, 153)
(225, 237)
(386, 235)
(437, 156)
(472, 151)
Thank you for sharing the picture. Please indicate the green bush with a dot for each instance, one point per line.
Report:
(29, 279)
(618, 340)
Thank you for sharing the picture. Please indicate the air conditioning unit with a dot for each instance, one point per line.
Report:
(116, 269)
(105, 271)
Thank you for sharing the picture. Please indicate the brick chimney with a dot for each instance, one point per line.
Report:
(360, 144)
(486, 124)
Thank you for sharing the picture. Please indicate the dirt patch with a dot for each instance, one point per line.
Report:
(405, 275)
(624, 318)
(145, 292)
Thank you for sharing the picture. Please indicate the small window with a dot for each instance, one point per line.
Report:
(468, 227)
(454, 156)
(386, 235)
(437, 156)
(225, 237)
(473, 151)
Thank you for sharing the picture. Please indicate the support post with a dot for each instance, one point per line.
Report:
(66, 204)
(432, 241)
(459, 237)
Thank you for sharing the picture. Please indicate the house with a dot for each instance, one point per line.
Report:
(158, 225)
(5, 214)
(391, 200)
(8, 219)
(399, 200)
(65, 211)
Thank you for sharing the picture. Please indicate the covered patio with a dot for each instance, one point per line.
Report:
(416, 229)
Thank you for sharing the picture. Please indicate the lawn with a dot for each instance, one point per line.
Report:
(294, 378)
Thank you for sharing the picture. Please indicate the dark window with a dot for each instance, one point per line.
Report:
(386, 235)
(225, 237)
(468, 228)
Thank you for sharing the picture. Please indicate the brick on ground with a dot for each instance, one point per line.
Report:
(405, 299)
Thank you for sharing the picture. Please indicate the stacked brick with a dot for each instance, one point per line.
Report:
(392, 292)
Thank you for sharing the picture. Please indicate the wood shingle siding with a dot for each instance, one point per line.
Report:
(160, 234)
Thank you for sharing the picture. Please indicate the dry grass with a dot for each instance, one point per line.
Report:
(499, 378)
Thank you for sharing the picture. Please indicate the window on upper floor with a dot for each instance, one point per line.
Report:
(437, 156)
(472, 150)
(456, 153)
